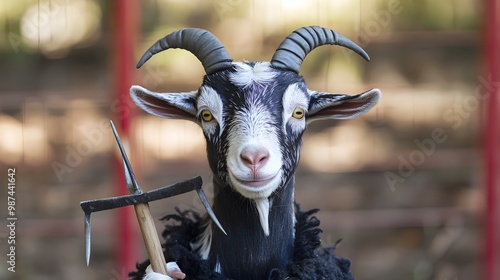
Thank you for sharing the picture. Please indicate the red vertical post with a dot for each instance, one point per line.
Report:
(125, 19)
(492, 139)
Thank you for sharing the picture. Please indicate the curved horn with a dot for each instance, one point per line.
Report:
(296, 46)
(203, 44)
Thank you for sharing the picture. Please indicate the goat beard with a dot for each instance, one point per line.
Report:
(263, 205)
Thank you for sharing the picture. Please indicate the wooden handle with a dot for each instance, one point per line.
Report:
(150, 236)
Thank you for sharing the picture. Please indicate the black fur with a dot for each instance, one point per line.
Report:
(309, 261)
(245, 252)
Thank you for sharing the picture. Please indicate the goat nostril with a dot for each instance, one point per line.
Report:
(254, 158)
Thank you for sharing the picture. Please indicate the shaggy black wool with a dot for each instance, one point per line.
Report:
(310, 260)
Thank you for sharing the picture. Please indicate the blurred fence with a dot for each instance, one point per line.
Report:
(402, 186)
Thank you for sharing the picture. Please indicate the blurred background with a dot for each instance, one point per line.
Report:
(404, 186)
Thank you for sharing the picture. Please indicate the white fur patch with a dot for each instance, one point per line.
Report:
(252, 130)
(218, 267)
(210, 100)
(245, 74)
(263, 207)
(294, 98)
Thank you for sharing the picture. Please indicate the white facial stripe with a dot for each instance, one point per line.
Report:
(246, 75)
(210, 99)
(252, 129)
(294, 98)
(256, 121)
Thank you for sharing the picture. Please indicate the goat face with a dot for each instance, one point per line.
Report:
(252, 114)
(253, 143)
(253, 117)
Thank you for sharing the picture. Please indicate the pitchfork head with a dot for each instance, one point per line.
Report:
(137, 196)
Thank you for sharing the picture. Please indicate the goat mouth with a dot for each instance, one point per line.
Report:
(256, 183)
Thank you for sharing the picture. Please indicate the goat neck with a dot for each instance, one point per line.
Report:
(246, 245)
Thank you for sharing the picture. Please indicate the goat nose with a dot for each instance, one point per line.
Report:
(254, 157)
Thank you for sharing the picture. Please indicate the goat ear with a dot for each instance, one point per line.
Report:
(165, 105)
(341, 106)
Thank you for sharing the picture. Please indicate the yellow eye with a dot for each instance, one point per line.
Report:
(298, 113)
(206, 115)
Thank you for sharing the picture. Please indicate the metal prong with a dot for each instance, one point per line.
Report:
(126, 162)
(87, 238)
(129, 181)
(210, 212)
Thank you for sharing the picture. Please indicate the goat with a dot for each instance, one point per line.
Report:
(253, 116)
